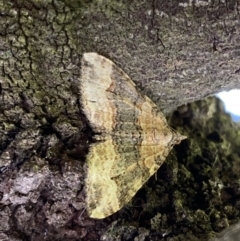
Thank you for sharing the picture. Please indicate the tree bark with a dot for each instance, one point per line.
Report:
(175, 52)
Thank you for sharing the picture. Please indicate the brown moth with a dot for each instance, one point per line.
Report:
(133, 136)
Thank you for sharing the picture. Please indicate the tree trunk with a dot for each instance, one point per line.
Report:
(175, 52)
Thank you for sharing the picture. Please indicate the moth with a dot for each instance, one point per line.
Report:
(132, 136)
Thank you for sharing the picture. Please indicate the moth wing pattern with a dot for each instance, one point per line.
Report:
(134, 136)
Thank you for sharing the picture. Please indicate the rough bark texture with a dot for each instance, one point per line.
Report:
(176, 53)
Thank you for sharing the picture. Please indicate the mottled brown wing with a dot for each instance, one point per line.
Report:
(108, 96)
(135, 136)
(116, 172)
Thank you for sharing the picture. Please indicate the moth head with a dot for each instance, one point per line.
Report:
(177, 138)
